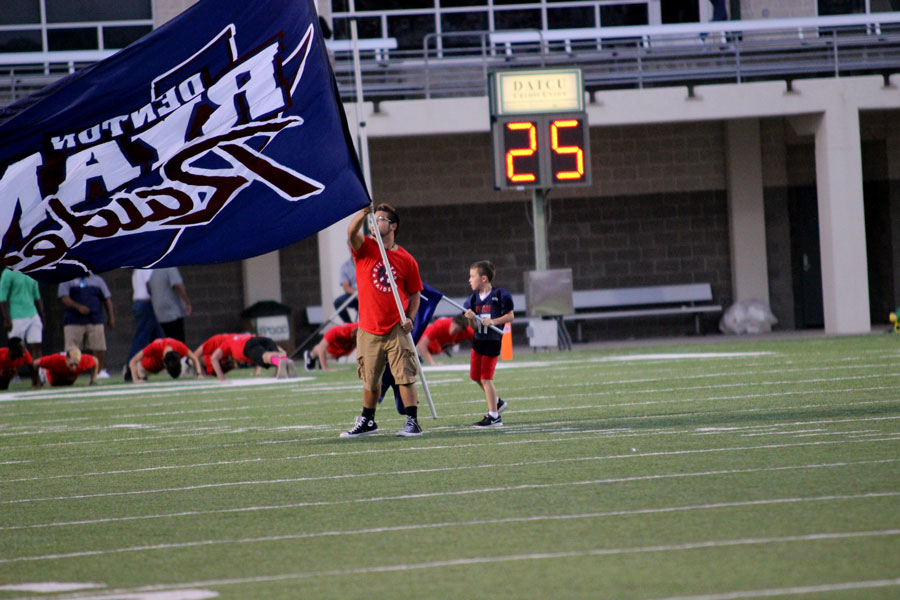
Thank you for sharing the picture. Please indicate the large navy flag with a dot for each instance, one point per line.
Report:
(217, 137)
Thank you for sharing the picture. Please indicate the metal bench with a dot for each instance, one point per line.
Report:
(661, 300)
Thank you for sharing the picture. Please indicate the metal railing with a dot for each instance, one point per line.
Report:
(456, 64)
(635, 57)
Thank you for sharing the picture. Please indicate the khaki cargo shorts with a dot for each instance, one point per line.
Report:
(393, 348)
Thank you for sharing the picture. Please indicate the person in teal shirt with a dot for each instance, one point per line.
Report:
(23, 311)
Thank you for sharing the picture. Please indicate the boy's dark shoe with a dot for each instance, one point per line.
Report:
(501, 405)
(309, 361)
(363, 427)
(411, 428)
(489, 421)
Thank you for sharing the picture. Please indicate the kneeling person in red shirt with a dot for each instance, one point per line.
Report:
(14, 356)
(204, 354)
(442, 334)
(161, 353)
(64, 368)
(338, 341)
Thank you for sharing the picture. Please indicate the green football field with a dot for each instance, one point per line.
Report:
(704, 471)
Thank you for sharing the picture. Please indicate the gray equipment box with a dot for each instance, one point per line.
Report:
(548, 293)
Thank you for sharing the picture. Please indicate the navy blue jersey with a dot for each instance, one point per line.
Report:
(497, 303)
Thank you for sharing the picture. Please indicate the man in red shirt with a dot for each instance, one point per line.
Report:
(257, 350)
(383, 336)
(442, 334)
(14, 356)
(204, 354)
(338, 341)
(64, 368)
(161, 353)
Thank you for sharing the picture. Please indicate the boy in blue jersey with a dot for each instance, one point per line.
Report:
(487, 306)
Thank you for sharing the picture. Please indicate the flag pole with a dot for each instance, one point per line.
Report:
(390, 274)
(343, 305)
(463, 308)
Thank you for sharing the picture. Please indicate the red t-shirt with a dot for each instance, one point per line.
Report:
(210, 346)
(6, 364)
(438, 334)
(152, 361)
(234, 346)
(377, 309)
(58, 372)
(341, 339)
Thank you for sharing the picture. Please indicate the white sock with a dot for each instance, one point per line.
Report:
(493, 414)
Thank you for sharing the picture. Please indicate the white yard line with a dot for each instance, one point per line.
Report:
(456, 524)
(800, 590)
(540, 556)
(611, 480)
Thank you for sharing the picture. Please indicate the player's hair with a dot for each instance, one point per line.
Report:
(172, 360)
(485, 267)
(461, 320)
(74, 353)
(392, 215)
(16, 347)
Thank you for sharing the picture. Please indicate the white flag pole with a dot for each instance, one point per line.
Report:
(387, 267)
(463, 308)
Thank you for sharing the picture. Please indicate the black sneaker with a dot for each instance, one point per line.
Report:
(411, 428)
(489, 421)
(309, 361)
(363, 426)
(501, 405)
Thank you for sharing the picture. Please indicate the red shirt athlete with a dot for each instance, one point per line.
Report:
(255, 349)
(65, 367)
(11, 359)
(161, 353)
(338, 341)
(206, 350)
(442, 334)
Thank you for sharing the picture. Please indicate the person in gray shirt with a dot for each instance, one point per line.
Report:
(170, 301)
(348, 287)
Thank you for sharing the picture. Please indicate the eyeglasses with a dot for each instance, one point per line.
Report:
(381, 218)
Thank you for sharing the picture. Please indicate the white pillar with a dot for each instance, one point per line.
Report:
(262, 278)
(842, 227)
(333, 251)
(746, 211)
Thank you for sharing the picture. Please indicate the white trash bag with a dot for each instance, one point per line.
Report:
(747, 317)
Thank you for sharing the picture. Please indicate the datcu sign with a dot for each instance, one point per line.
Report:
(539, 130)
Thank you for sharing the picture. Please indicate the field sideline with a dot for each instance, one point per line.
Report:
(713, 470)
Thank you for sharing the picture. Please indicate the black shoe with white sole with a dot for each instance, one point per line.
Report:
(489, 421)
(411, 428)
(363, 427)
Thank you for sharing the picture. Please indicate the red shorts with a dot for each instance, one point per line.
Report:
(482, 367)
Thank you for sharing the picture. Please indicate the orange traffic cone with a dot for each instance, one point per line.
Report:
(506, 352)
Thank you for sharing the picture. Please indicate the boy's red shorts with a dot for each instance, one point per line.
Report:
(482, 367)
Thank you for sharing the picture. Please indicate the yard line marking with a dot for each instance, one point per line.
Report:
(449, 524)
(792, 591)
(67, 399)
(524, 411)
(257, 460)
(570, 436)
(524, 486)
(534, 556)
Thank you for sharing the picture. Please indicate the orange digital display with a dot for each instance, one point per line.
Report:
(541, 151)
(521, 160)
(566, 161)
